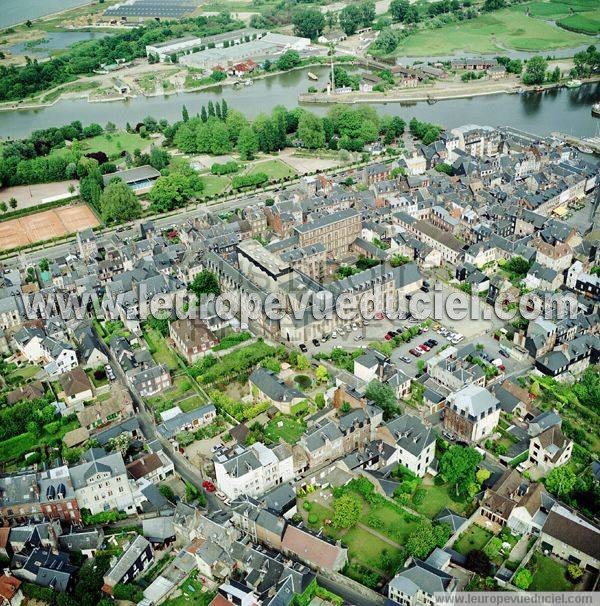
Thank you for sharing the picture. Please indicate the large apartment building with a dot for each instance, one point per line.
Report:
(336, 231)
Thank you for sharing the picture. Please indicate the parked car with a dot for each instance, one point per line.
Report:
(415, 352)
(208, 486)
(405, 359)
(424, 347)
(504, 353)
(303, 348)
(316, 343)
(334, 335)
(221, 496)
(431, 342)
(388, 336)
(354, 326)
(448, 436)
(358, 338)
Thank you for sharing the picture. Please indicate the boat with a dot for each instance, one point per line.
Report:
(312, 76)
(596, 110)
(573, 84)
(584, 149)
(249, 82)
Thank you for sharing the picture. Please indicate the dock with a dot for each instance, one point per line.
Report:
(592, 142)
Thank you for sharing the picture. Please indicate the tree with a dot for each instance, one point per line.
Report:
(384, 397)
(561, 481)
(535, 72)
(350, 19)
(185, 116)
(523, 578)
(44, 264)
(398, 9)
(426, 537)
(288, 60)
(458, 466)
(320, 400)
(90, 190)
(321, 374)
(367, 9)
(247, 144)
(118, 203)
(493, 5)
(574, 573)
(205, 283)
(167, 492)
(478, 562)
(175, 190)
(311, 131)
(397, 260)
(236, 122)
(347, 510)
(308, 23)
(302, 363)
(13, 203)
(3, 207)
(517, 265)
(482, 475)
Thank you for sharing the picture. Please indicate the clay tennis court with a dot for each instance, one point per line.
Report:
(45, 225)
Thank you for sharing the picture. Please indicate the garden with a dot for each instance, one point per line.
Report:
(159, 348)
(544, 573)
(289, 429)
(475, 538)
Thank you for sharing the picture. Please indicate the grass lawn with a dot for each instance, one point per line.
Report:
(436, 499)
(555, 9)
(275, 169)
(24, 373)
(474, 537)
(161, 352)
(181, 386)
(215, 184)
(395, 526)
(494, 32)
(549, 576)
(587, 23)
(111, 144)
(290, 431)
(191, 594)
(364, 548)
(191, 403)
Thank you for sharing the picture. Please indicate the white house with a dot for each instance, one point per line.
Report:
(254, 470)
(471, 413)
(414, 443)
(101, 483)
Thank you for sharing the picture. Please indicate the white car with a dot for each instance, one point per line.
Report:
(334, 335)
(221, 496)
(354, 326)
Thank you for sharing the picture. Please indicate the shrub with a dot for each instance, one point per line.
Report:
(224, 169)
(419, 496)
(523, 578)
(307, 505)
(242, 181)
(313, 518)
(574, 572)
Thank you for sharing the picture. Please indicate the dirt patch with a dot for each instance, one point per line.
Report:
(45, 225)
(33, 195)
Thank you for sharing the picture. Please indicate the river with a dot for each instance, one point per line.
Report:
(13, 11)
(567, 110)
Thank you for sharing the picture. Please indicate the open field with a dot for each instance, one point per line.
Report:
(587, 23)
(214, 184)
(40, 193)
(275, 169)
(46, 225)
(510, 28)
(112, 145)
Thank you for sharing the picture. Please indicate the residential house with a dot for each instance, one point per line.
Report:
(137, 558)
(176, 421)
(10, 590)
(418, 582)
(471, 413)
(254, 470)
(569, 536)
(192, 338)
(77, 388)
(414, 443)
(549, 449)
(266, 385)
(153, 467)
(101, 483)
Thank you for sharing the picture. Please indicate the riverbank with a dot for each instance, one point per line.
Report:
(433, 93)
